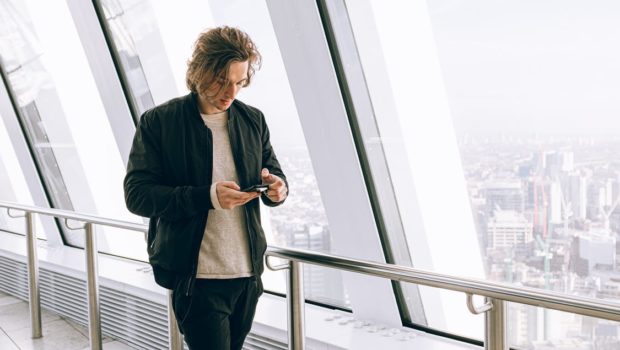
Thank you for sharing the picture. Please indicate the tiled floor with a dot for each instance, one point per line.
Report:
(58, 333)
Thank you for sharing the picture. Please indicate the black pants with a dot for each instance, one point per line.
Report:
(219, 313)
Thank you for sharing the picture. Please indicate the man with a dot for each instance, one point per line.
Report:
(190, 158)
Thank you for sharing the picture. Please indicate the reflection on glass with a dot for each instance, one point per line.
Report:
(37, 136)
(129, 21)
(155, 39)
(528, 90)
(13, 185)
(20, 61)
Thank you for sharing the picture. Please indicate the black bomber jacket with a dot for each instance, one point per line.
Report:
(169, 179)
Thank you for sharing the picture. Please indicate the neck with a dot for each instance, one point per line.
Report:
(205, 107)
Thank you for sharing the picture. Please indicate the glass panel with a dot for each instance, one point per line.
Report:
(534, 328)
(13, 186)
(64, 119)
(155, 38)
(507, 116)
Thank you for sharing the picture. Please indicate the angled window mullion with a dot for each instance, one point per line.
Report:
(370, 148)
(28, 159)
(109, 76)
(326, 127)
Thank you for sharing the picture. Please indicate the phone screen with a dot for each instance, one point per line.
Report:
(256, 188)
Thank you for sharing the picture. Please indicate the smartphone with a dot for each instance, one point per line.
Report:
(256, 188)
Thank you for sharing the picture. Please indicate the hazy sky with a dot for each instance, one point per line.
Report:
(539, 66)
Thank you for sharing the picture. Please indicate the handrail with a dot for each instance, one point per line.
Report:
(496, 293)
(66, 214)
(92, 276)
(522, 295)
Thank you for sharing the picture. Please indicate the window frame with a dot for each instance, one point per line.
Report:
(314, 82)
(9, 111)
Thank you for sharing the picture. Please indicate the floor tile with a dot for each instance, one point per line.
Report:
(8, 300)
(57, 335)
(84, 330)
(17, 316)
(6, 343)
(114, 345)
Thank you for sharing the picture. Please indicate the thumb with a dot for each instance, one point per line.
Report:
(264, 174)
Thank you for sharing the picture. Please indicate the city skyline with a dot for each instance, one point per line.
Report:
(547, 216)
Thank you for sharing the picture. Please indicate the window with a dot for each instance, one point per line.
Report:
(504, 116)
(64, 119)
(14, 186)
(154, 41)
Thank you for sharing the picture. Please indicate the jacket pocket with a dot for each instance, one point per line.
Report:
(173, 247)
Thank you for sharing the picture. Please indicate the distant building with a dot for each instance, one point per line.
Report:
(594, 249)
(599, 199)
(503, 195)
(555, 204)
(508, 228)
(321, 284)
(578, 195)
(524, 321)
(557, 163)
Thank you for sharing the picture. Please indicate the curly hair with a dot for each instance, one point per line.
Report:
(214, 51)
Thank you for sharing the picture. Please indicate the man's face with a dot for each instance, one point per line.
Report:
(220, 95)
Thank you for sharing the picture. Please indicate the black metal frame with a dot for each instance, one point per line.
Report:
(120, 72)
(20, 119)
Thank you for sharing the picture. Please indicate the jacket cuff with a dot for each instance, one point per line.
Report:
(214, 199)
(202, 199)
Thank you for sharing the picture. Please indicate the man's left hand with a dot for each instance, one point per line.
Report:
(277, 187)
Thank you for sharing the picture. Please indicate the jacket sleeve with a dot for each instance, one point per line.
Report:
(146, 192)
(270, 161)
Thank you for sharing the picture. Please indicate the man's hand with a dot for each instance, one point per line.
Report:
(230, 196)
(277, 187)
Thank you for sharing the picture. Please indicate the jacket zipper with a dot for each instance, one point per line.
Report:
(245, 211)
(156, 225)
(192, 276)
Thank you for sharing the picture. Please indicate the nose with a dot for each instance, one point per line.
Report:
(232, 90)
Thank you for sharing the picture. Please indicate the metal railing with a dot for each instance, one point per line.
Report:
(496, 294)
(92, 278)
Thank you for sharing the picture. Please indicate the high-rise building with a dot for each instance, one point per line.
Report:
(507, 228)
(578, 195)
(503, 195)
(592, 250)
(596, 200)
(555, 204)
(523, 325)
(320, 283)
(557, 163)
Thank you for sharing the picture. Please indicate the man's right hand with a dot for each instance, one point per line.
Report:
(230, 196)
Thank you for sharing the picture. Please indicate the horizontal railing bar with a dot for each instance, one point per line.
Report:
(517, 294)
(59, 213)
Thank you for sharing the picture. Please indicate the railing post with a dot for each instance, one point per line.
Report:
(33, 276)
(94, 323)
(174, 335)
(295, 310)
(495, 325)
